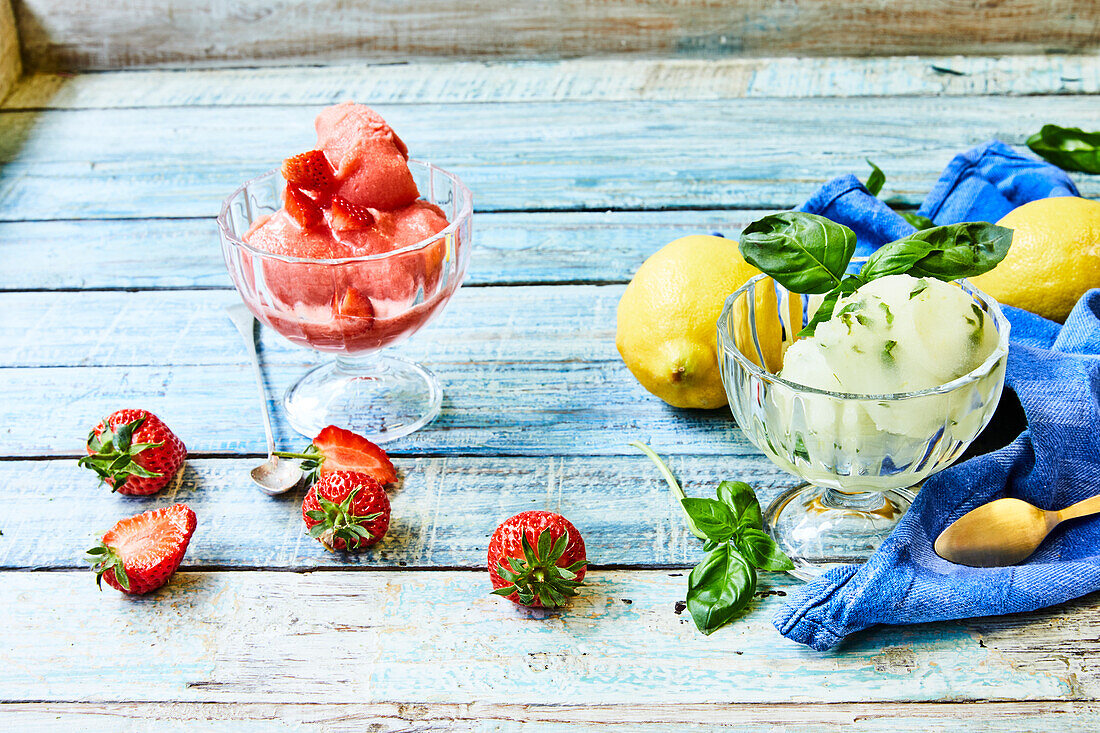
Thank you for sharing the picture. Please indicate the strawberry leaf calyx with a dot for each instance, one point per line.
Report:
(104, 559)
(537, 576)
(336, 521)
(114, 453)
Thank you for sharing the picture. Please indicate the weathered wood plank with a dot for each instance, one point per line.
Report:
(508, 248)
(620, 155)
(189, 327)
(444, 511)
(592, 80)
(11, 65)
(438, 637)
(79, 34)
(1016, 717)
(508, 407)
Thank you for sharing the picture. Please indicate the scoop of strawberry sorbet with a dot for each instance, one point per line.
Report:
(369, 159)
(370, 171)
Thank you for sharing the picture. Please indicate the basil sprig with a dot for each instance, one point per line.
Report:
(805, 253)
(876, 180)
(723, 583)
(945, 253)
(736, 545)
(1069, 148)
(806, 256)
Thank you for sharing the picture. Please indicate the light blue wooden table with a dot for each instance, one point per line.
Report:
(113, 292)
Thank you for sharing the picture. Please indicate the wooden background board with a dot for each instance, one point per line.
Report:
(936, 717)
(756, 154)
(112, 294)
(444, 510)
(591, 80)
(89, 34)
(10, 58)
(437, 638)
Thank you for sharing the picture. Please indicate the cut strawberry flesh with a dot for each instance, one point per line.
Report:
(310, 171)
(148, 538)
(302, 208)
(346, 451)
(355, 305)
(346, 215)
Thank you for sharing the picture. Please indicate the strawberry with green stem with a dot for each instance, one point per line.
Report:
(346, 510)
(134, 452)
(537, 559)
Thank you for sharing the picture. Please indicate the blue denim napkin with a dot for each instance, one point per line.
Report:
(1055, 372)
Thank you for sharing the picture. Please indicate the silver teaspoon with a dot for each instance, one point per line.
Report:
(275, 476)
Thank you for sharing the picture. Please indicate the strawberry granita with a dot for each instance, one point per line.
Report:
(355, 265)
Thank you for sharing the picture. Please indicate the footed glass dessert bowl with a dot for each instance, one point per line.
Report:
(353, 307)
(862, 455)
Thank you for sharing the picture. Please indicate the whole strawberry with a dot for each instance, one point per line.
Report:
(537, 559)
(336, 449)
(346, 510)
(139, 554)
(134, 452)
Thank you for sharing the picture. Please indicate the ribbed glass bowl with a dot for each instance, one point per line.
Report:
(307, 301)
(860, 454)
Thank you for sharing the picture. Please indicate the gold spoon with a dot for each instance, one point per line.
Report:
(1004, 532)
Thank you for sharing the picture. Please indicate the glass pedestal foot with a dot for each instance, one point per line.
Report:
(379, 397)
(821, 528)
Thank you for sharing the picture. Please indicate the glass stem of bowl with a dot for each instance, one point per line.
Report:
(860, 501)
(358, 364)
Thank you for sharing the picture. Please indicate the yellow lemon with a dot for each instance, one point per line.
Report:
(668, 315)
(1054, 258)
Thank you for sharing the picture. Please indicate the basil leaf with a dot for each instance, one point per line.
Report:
(805, 253)
(824, 312)
(945, 253)
(741, 499)
(718, 587)
(761, 550)
(713, 518)
(1069, 148)
(876, 180)
(920, 222)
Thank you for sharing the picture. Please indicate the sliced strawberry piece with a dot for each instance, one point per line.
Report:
(302, 208)
(346, 215)
(310, 172)
(354, 305)
(139, 554)
(336, 449)
(345, 451)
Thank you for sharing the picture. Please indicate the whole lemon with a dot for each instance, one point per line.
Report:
(1054, 257)
(667, 318)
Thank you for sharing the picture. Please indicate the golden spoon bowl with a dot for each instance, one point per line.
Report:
(1004, 532)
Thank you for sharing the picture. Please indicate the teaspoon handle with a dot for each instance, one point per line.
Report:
(1080, 509)
(246, 323)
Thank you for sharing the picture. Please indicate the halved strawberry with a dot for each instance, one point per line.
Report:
(140, 553)
(304, 209)
(346, 215)
(310, 171)
(354, 305)
(336, 449)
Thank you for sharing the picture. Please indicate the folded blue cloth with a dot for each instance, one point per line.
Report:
(1055, 372)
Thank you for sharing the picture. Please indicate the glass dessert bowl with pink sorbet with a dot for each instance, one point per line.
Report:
(347, 249)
